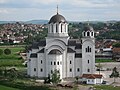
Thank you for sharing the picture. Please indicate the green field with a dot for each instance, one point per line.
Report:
(7, 88)
(14, 53)
(13, 59)
(103, 60)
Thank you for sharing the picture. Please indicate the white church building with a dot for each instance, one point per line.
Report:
(72, 57)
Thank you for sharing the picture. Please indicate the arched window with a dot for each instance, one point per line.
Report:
(34, 69)
(84, 33)
(56, 28)
(61, 27)
(86, 49)
(88, 61)
(57, 63)
(41, 61)
(52, 28)
(54, 63)
(70, 69)
(41, 70)
(90, 49)
(88, 33)
(88, 70)
(92, 34)
(78, 70)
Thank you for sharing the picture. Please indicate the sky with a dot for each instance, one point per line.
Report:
(72, 10)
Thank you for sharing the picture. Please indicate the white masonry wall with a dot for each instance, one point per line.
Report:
(70, 65)
(41, 65)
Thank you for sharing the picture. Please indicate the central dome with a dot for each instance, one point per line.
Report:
(88, 28)
(57, 18)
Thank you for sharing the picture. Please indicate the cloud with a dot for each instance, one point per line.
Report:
(3, 1)
(94, 3)
(73, 3)
(72, 9)
(3, 11)
(46, 1)
(6, 1)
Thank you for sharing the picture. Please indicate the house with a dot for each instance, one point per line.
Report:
(92, 78)
(104, 53)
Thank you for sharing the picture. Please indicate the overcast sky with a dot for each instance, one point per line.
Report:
(72, 10)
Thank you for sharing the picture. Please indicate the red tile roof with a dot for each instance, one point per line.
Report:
(92, 76)
(116, 50)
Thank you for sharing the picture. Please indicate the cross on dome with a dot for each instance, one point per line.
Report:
(57, 9)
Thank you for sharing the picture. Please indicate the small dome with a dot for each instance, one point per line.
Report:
(57, 18)
(55, 51)
(88, 28)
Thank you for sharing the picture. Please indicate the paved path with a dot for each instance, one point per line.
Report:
(108, 66)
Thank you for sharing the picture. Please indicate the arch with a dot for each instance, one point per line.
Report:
(88, 41)
(57, 40)
(55, 47)
(88, 33)
(55, 51)
(61, 28)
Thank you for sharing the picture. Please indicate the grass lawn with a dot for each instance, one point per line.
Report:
(14, 53)
(13, 59)
(7, 88)
(103, 60)
(106, 87)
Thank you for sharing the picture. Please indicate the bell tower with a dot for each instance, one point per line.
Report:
(88, 50)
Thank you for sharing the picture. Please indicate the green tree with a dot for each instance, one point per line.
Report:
(114, 74)
(55, 77)
(116, 45)
(7, 51)
(1, 51)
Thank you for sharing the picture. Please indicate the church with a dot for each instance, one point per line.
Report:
(72, 57)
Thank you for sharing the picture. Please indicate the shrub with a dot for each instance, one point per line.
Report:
(55, 77)
(7, 51)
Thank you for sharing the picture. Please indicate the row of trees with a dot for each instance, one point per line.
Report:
(6, 51)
